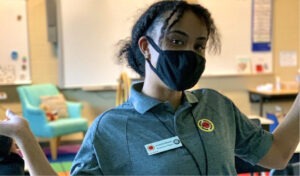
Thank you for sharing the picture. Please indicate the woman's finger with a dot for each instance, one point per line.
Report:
(9, 114)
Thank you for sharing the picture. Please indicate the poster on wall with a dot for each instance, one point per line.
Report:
(261, 25)
(14, 51)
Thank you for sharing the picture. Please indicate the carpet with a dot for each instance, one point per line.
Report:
(65, 156)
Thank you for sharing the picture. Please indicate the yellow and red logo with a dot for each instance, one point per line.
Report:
(205, 125)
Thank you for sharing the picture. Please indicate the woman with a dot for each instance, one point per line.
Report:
(163, 129)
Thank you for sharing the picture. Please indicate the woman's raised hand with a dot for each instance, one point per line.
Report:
(13, 126)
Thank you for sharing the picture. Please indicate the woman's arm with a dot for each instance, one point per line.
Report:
(18, 129)
(286, 139)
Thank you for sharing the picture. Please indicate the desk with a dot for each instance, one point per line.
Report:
(272, 95)
(263, 121)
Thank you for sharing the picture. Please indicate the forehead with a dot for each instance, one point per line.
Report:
(191, 24)
(190, 20)
(188, 23)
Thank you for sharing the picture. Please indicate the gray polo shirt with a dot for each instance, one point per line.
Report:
(211, 129)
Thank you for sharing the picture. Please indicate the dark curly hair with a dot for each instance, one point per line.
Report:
(157, 13)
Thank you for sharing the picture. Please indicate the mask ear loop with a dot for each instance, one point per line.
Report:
(152, 67)
(150, 40)
(147, 55)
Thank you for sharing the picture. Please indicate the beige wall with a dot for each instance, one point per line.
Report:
(44, 64)
(286, 34)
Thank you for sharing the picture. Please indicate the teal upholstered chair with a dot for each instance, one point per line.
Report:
(40, 126)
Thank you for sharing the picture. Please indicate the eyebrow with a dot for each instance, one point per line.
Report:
(186, 35)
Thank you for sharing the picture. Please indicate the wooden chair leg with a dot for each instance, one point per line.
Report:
(53, 148)
(58, 141)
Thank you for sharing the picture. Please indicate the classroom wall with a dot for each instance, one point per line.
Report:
(44, 65)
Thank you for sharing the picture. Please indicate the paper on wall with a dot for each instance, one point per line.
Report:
(288, 58)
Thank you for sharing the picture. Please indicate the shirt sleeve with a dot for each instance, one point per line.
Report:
(85, 162)
(252, 141)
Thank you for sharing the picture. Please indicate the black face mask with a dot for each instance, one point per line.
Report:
(178, 69)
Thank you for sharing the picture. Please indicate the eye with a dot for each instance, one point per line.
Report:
(177, 42)
(200, 47)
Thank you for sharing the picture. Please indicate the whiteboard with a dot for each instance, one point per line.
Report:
(14, 50)
(88, 31)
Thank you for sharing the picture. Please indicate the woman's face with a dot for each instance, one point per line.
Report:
(189, 33)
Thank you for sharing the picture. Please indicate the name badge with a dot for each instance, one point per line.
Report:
(163, 145)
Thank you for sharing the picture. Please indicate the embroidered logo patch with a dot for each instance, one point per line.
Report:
(205, 125)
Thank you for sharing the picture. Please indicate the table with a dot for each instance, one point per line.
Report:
(264, 122)
(272, 95)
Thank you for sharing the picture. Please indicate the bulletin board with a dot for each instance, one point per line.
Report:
(14, 50)
(88, 31)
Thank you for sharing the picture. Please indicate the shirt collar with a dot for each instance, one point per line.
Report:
(143, 103)
(190, 97)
